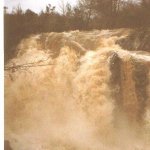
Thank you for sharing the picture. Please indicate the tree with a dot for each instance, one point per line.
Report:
(62, 7)
(30, 13)
(50, 9)
(17, 10)
(5, 9)
(69, 10)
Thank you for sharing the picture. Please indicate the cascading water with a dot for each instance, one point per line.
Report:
(77, 91)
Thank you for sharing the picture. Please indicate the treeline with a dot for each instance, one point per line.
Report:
(86, 15)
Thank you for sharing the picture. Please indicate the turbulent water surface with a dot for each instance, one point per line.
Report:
(78, 91)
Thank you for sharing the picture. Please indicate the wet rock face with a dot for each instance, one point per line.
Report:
(141, 78)
(77, 90)
(115, 79)
(137, 40)
(129, 81)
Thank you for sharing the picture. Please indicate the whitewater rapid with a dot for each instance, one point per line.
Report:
(77, 91)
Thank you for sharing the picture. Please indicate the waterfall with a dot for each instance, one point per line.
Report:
(77, 91)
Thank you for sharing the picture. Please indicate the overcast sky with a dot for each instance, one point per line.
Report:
(35, 5)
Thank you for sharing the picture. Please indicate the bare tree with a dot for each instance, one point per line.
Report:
(50, 9)
(17, 10)
(115, 4)
(62, 7)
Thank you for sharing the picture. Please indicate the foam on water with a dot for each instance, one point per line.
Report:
(77, 91)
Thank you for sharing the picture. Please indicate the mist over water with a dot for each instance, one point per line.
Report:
(77, 91)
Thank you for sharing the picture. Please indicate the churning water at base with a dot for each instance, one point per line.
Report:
(77, 91)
